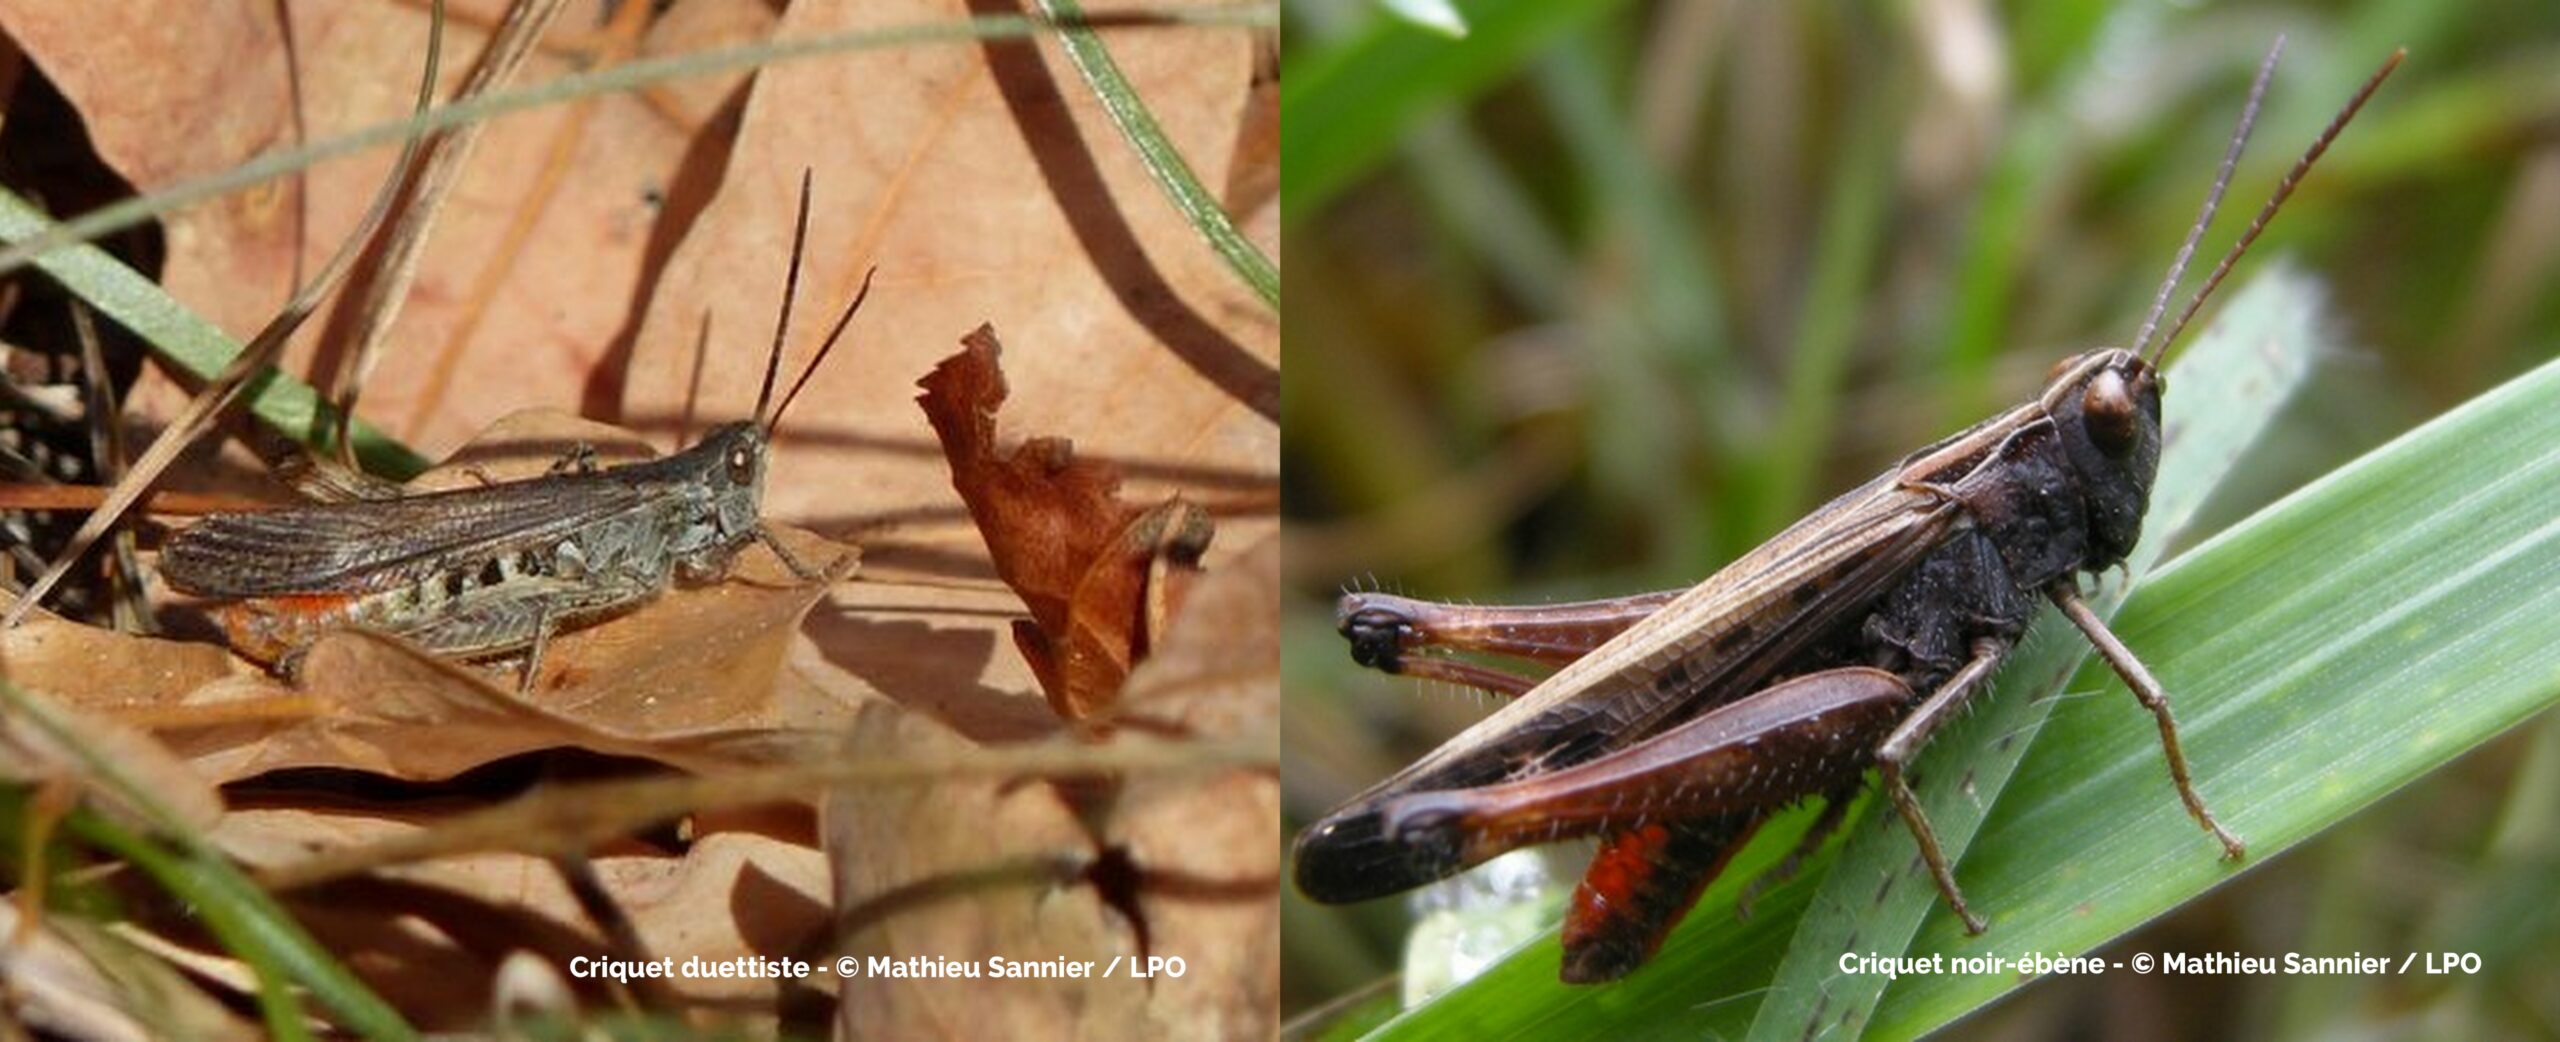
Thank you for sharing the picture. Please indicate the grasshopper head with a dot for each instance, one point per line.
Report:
(2105, 404)
(726, 486)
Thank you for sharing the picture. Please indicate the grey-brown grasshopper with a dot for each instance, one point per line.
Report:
(1679, 722)
(497, 570)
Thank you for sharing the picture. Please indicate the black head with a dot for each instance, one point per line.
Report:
(2105, 407)
(2106, 403)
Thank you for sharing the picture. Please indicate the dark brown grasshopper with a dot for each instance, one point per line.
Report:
(497, 570)
(1680, 721)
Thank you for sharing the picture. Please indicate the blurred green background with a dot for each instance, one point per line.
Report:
(1598, 296)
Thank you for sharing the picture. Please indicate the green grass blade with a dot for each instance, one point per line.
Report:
(252, 927)
(188, 341)
(1156, 152)
(249, 924)
(1348, 104)
(627, 76)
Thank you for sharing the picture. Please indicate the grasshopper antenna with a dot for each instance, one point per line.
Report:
(790, 289)
(2284, 189)
(2212, 202)
(693, 385)
(811, 369)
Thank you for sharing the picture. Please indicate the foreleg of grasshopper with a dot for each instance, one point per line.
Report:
(2152, 697)
(1384, 628)
(789, 560)
(1896, 752)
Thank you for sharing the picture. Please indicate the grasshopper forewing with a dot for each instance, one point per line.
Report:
(496, 570)
(1679, 721)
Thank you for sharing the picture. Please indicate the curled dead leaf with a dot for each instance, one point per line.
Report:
(1099, 575)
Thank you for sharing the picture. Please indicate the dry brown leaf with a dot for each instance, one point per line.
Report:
(68, 979)
(1253, 180)
(85, 666)
(984, 183)
(1205, 847)
(986, 186)
(373, 704)
(963, 871)
(431, 934)
(176, 89)
(85, 674)
(1088, 565)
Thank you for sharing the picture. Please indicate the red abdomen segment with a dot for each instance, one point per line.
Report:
(1639, 886)
(268, 629)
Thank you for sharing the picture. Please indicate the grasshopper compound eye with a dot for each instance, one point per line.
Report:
(742, 465)
(2107, 410)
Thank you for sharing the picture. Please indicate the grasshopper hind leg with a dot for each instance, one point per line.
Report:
(543, 627)
(522, 616)
(1411, 637)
